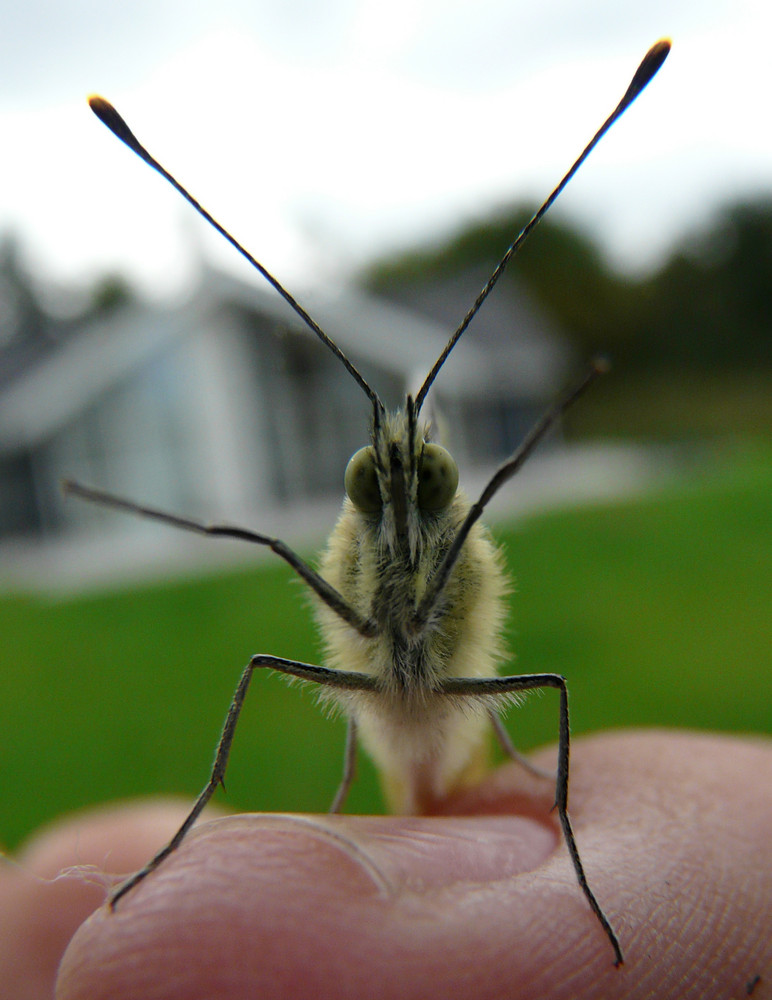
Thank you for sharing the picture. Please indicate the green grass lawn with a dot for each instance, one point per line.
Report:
(657, 610)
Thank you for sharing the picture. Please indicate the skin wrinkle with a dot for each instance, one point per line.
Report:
(353, 851)
(413, 854)
(429, 856)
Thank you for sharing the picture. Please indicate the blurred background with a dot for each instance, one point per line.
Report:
(379, 161)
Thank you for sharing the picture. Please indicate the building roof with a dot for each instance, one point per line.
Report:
(404, 338)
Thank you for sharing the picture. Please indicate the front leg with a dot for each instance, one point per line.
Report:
(343, 680)
(500, 687)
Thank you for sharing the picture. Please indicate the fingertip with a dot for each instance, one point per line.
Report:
(59, 877)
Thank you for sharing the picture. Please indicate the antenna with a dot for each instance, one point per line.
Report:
(107, 114)
(648, 68)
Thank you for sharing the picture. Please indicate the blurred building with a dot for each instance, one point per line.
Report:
(226, 404)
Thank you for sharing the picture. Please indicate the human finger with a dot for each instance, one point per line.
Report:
(671, 828)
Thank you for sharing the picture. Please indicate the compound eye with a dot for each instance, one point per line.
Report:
(437, 478)
(361, 481)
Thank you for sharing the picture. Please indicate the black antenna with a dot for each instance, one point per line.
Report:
(501, 476)
(107, 114)
(648, 68)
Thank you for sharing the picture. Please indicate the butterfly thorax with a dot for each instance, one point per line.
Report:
(382, 561)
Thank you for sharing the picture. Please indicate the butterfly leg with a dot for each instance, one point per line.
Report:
(500, 687)
(345, 680)
(349, 767)
(511, 750)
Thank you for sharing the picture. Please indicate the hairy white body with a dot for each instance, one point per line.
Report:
(424, 743)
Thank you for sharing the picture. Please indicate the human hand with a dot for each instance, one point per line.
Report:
(673, 829)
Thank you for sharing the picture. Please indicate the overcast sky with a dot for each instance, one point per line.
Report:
(325, 133)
